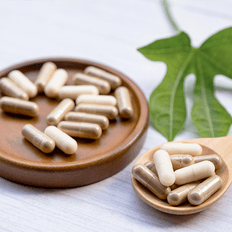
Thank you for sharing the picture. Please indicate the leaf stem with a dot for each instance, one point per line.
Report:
(170, 18)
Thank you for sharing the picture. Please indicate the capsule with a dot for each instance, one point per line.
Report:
(45, 74)
(215, 159)
(19, 106)
(180, 161)
(63, 141)
(164, 168)
(58, 79)
(81, 129)
(9, 88)
(38, 138)
(58, 113)
(151, 166)
(179, 195)
(194, 172)
(73, 91)
(182, 148)
(101, 120)
(110, 112)
(99, 100)
(149, 180)
(23, 82)
(204, 190)
(114, 80)
(122, 95)
(83, 79)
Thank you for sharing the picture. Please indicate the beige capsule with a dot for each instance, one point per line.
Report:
(101, 120)
(180, 161)
(58, 79)
(151, 166)
(23, 82)
(164, 168)
(194, 172)
(149, 180)
(81, 129)
(38, 138)
(83, 79)
(114, 80)
(99, 100)
(63, 141)
(59, 112)
(182, 148)
(110, 112)
(204, 190)
(180, 194)
(214, 158)
(19, 106)
(9, 88)
(45, 74)
(73, 91)
(124, 103)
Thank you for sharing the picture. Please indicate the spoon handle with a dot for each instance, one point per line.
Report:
(221, 145)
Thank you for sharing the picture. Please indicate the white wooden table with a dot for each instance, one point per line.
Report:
(107, 32)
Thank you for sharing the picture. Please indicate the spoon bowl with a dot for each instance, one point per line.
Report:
(220, 146)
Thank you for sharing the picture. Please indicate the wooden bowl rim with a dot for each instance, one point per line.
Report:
(139, 129)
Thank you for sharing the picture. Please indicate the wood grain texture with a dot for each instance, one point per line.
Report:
(108, 32)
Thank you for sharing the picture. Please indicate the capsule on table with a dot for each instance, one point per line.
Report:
(9, 88)
(125, 107)
(99, 100)
(164, 168)
(59, 112)
(38, 138)
(63, 141)
(110, 112)
(149, 180)
(83, 79)
(182, 148)
(58, 79)
(180, 161)
(101, 120)
(23, 82)
(215, 159)
(204, 190)
(81, 129)
(114, 80)
(194, 172)
(73, 91)
(45, 74)
(180, 194)
(19, 106)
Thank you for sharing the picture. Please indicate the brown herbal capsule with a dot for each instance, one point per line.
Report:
(150, 181)
(101, 120)
(83, 79)
(204, 190)
(114, 80)
(124, 103)
(18, 106)
(81, 129)
(110, 112)
(45, 74)
(59, 112)
(38, 138)
(9, 88)
(180, 161)
(215, 159)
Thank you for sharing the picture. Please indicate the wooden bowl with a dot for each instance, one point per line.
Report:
(220, 146)
(94, 160)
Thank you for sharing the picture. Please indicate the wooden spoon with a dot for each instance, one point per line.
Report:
(220, 146)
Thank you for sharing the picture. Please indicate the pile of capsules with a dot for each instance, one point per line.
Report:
(179, 172)
(91, 114)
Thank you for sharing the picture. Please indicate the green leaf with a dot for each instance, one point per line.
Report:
(167, 103)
